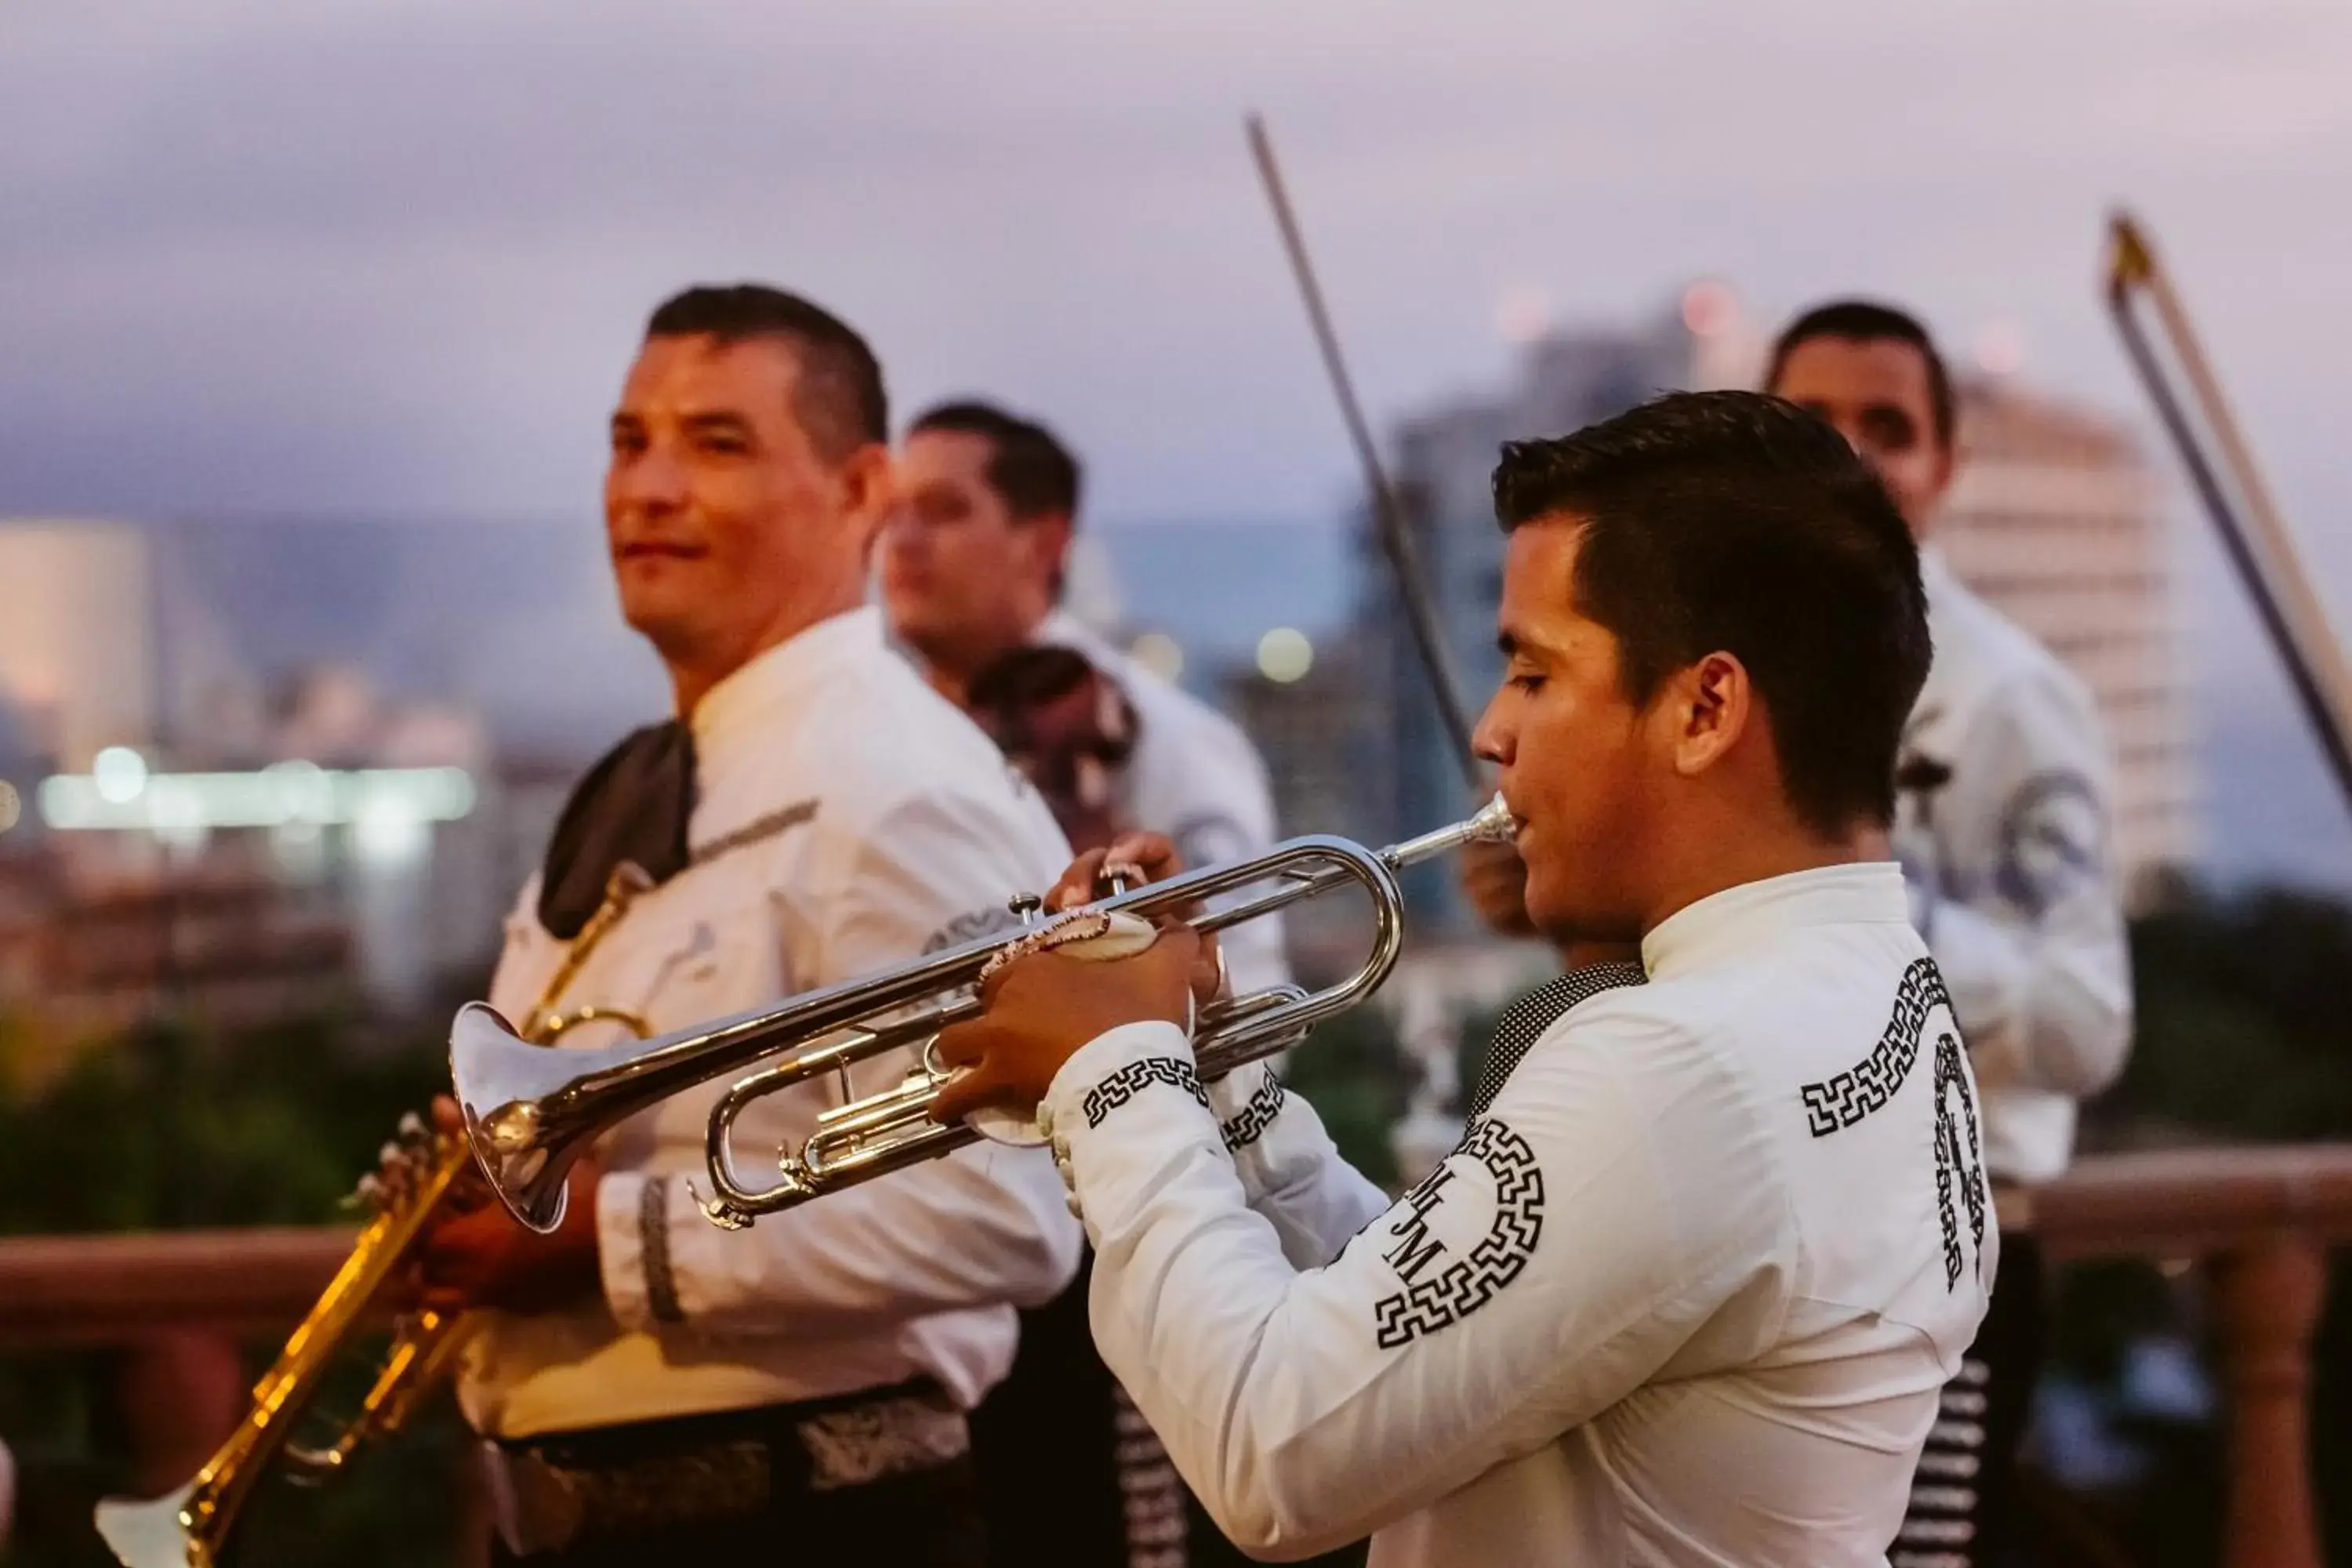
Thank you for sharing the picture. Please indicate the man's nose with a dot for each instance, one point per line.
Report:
(1493, 739)
(650, 481)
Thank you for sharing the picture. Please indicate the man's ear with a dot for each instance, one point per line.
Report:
(869, 482)
(1709, 704)
(1050, 534)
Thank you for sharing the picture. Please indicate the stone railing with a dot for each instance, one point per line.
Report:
(2257, 1221)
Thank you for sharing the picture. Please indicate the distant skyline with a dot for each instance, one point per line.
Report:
(387, 258)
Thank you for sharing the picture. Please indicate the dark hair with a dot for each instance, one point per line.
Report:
(1866, 322)
(1027, 464)
(837, 396)
(1736, 522)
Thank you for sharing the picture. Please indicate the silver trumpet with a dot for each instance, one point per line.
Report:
(531, 1114)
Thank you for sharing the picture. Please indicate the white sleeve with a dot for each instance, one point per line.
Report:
(2036, 958)
(1579, 1238)
(1290, 1170)
(986, 1225)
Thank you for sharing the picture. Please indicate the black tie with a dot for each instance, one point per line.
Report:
(1524, 1020)
(633, 806)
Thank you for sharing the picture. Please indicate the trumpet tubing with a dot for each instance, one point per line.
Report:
(530, 1114)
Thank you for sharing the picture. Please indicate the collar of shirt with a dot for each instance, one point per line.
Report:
(1867, 891)
(1063, 629)
(1935, 576)
(744, 703)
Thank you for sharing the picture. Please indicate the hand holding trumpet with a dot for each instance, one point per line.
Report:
(1039, 1008)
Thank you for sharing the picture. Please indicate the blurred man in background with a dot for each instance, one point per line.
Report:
(973, 564)
(2005, 779)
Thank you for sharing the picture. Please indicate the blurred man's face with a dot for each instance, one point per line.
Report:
(1578, 761)
(1875, 391)
(962, 579)
(728, 528)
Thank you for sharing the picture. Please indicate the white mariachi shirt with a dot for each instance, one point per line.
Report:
(871, 821)
(1687, 1293)
(1195, 777)
(2011, 877)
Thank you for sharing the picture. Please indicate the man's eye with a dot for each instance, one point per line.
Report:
(1888, 432)
(1529, 684)
(724, 446)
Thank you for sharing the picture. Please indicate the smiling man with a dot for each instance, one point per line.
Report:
(1688, 1289)
(658, 1387)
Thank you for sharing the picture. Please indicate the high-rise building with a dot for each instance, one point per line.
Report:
(2056, 520)
(78, 650)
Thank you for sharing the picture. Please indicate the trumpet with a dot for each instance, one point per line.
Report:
(190, 1528)
(530, 1114)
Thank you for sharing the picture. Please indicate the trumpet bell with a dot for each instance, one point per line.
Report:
(156, 1533)
(505, 1089)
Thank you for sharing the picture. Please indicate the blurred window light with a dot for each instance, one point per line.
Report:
(1523, 314)
(1709, 306)
(2001, 349)
(1160, 654)
(1283, 655)
(388, 834)
(118, 774)
(179, 805)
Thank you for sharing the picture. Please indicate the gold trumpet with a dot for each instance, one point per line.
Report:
(189, 1527)
(530, 1114)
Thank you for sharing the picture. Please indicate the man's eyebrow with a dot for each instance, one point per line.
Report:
(718, 420)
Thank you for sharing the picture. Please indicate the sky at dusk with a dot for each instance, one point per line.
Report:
(388, 259)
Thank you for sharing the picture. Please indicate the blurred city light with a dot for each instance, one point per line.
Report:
(1709, 306)
(118, 774)
(177, 805)
(1283, 655)
(1159, 652)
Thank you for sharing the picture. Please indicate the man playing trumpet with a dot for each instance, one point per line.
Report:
(1688, 1289)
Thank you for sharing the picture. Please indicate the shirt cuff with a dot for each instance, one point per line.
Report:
(1246, 1100)
(634, 1213)
(1120, 1101)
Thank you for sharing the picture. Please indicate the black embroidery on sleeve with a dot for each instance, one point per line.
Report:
(1136, 1077)
(1249, 1123)
(1434, 1300)
(2053, 840)
(1958, 1161)
(1842, 1100)
(653, 1247)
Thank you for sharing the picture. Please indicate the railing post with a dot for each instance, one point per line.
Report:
(2266, 1299)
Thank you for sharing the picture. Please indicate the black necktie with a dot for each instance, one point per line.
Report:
(1524, 1020)
(633, 806)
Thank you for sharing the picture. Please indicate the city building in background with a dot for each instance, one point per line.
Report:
(214, 814)
(2057, 519)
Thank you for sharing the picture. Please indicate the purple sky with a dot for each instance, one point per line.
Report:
(387, 257)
